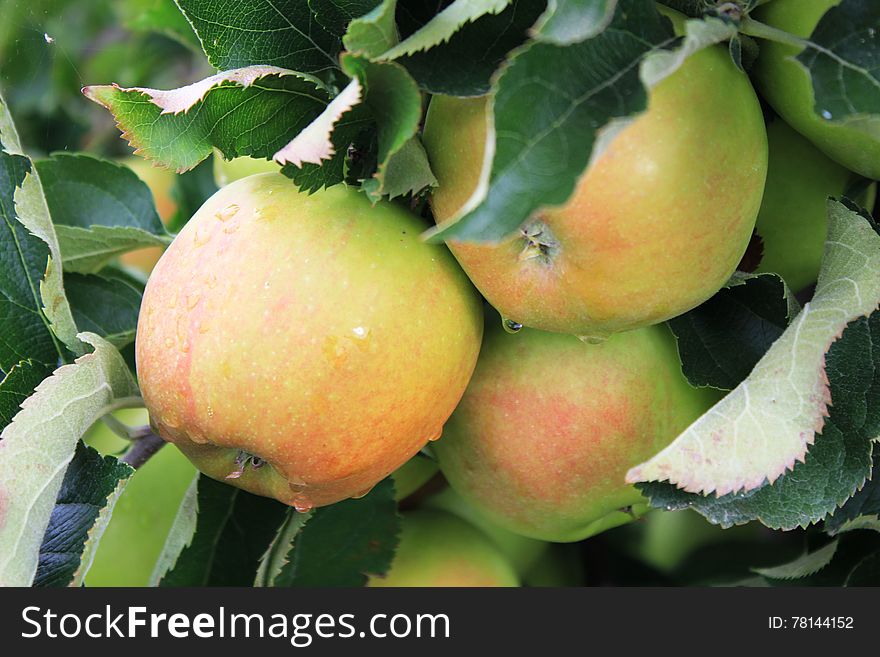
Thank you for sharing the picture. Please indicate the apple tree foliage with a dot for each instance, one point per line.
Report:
(335, 91)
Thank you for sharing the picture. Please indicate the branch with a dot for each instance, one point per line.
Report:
(142, 449)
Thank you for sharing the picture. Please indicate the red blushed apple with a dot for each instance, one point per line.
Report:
(655, 226)
(548, 427)
(303, 346)
(439, 549)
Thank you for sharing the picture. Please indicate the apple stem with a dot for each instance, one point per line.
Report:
(753, 28)
(125, 431)
(142, 449)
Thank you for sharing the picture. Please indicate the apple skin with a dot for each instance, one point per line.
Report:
(548, 427)
(655, 226)
(787, 86)
(316, 332)
(143, 515)
(438, 549)
(793, 221)
(227, 171)
(161, 182)
(522, 552)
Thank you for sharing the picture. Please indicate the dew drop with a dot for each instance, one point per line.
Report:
(592, 339)
(198, 437)
(826, 115)
(202, 236)
(204, 327)
(302, 504)
(192, 300)
(171, 420)
(212, 282)
(363, 493)
(437, 435)
(266, 285)
(231, 228)
(361, 332)
(296, 481)
(511, 326)
(227, 213)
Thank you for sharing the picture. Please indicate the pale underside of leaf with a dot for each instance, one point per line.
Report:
(39, 443)
(183, 99)
(569, 21)
(33, 214)
(87, 250)
(441, 28)
(181, 534)
(767, 423)
(804, 566)
(276, 556)
(314, 144)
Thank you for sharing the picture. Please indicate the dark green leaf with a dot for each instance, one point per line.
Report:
(88, 483)
(105, 304)
(16, 386)
(721, 340)
(233, 531)
(342, 544)
(335, 15)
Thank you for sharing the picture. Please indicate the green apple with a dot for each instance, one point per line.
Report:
(439, 549)
(793, 221)
(787, 86)
(144, 513)
(654, 227)
(412, 475)
(522, 552)
(303, 347)
(227, 171)
(548, 427)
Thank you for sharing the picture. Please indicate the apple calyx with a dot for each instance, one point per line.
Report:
(242, 461)
(539, 242)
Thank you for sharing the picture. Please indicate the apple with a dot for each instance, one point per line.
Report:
(412, 475)
(788, 87)
(793, 221)
(548, 427)
(227, 171)
(654, 227)
(303, 347)
(439, 549)
(143, 515)
(161, 182)
(522, 552)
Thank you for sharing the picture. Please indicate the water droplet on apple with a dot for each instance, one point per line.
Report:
(192, 300)
(227, 213)
(198, 437)
(204, 327)
(361, 332)
(302, 504)
(363, 493)
(511, 326)
(202, 236)
(231, 228)
(592, 339)
(296, 481)
(436, 435)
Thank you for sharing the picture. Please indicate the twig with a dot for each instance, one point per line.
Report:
(142, 449)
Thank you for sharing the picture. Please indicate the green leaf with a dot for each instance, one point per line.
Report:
(862, 510)
(251, 111)
(464, 64)
(275, 558)
(767, 423)
(181, 533)
(158, 16)
(17, 385)
(866, 572)
(722, 340)
(549, 103)
(232, 532)
(843, 57)
(106, 304)
(374, 33)
(445, 24)
(39, 443)
(571, 21)
(836, 465)
(343, 543)
(335, 15)
(90, 487)
(84, 192)
(280, 33)
(406, 172)
(805, 565)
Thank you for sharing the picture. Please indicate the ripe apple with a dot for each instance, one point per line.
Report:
(144, 513)
(787, 86)
(227, 171)
(522, 552)
(440, 549)
(161, 182)
(549, 426)
(793, 221)
(303, 346)
(655, 226)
